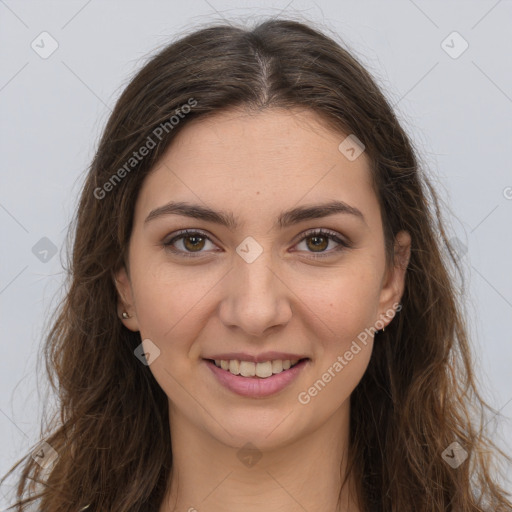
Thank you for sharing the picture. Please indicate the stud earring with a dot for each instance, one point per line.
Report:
(126, 315)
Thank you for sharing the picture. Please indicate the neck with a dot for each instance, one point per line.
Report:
(306, 474)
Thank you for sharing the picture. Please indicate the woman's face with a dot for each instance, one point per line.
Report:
(265, 289)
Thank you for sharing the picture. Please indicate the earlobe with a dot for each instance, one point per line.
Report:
(125, 305)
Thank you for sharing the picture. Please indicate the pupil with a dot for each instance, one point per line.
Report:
(194, 244)
(315, 240)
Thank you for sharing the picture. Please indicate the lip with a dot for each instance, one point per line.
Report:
(256, 387)
(259, 358)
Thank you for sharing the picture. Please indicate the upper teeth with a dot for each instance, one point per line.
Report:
(250, 369)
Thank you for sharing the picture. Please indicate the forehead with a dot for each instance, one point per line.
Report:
(253, 162)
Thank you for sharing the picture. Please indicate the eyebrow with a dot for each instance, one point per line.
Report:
(227, 219)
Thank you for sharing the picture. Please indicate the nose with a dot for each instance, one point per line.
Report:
(256, 299)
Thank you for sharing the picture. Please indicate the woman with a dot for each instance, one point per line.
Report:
(260, 314)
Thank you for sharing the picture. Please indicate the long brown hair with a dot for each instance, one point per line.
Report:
(419, 394)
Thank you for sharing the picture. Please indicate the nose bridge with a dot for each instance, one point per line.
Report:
(255, 297)
(258, 275)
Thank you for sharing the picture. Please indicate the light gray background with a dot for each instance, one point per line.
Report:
(458, 111)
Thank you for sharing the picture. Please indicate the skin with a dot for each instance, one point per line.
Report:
(256, 166)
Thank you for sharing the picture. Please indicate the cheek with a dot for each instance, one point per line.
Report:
(344, 352)
(346, 303)
(170, 313)
(171, 305)
(162, 310)
(342, 373)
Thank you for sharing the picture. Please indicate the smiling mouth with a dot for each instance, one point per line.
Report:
(262, 370)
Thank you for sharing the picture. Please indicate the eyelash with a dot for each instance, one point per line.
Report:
(331, 235)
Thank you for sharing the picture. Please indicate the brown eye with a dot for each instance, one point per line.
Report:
(318, 242)
(192, 243)
(196, 242)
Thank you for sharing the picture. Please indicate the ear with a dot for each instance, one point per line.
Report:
(394, 278)
(125, 300)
